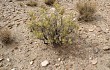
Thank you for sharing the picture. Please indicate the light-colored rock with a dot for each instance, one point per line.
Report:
(59, 59)
(31, 62)
(44, 63)
(92, 28)
(96, 50)
(74, 19)
(90, 58)
(94, 61)
(62, 62)
(13, 69)
(1, 59)
(105, 48)
(8, 59)
(57, 65)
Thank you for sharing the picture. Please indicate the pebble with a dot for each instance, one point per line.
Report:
(1, 59)
(35, 42)
(106, 48)
(62, 62)
(92, 28)
(94, 61)
(31, 62)
(8, 59)
(57, 65)
(90, 58)
(74, 19)
(44, 63)
(13, 69)
(96, 50)
(59, 59)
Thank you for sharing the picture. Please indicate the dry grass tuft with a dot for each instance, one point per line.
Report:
(86, 9)
(5, 37)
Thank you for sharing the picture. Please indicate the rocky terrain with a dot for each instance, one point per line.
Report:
(91, 50)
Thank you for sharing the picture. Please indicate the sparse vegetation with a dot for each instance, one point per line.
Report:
(86, 10)
(5, 36)
(54, 29)
(33, 20)
(49, 2)
(59, 8)
(32, 3)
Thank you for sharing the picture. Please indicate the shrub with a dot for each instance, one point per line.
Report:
(59, 8)
(49, 2)
(5, 36)
(54, 29)
(32, 23)
(32, 3)
(86, 10)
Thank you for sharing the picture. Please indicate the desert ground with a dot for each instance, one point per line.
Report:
(91, 49)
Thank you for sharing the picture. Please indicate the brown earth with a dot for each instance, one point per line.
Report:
(27, 52)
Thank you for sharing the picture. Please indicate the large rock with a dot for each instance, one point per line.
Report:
(44, 63)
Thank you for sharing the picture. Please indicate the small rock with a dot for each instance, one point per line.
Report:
(62, 62)
(57, 65)
(44, 63)
(106, 48)
(90, 58)
(35, 42)
(96, 50)
(94, 61)
(74, 19)
(59, 59)
(13, 69)
(1, 59)
(91, 30)
(8, 59)
(55, 52)
(31, 42)
(31, 62)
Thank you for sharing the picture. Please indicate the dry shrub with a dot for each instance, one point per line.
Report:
(49, 2)
(59, 8)
(54, 29)
(86, 9)
(5, 36)
(32, 3)
(32, 21)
